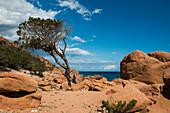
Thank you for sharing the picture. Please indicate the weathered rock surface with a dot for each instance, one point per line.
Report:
(31, 100)
(60, 79)
(64, 85)
(142, 67)
(79, 77)
(166, 79)
(151, 91)
(10, 83)
(111, 91)
(161, 56)
(96, 78)
(97, 87)
(127, 94)
(18, 91)
(76, 87)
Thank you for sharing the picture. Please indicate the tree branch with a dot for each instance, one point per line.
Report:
(63, 66)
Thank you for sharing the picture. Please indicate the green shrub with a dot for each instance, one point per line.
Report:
(16, 58)
(121, 107)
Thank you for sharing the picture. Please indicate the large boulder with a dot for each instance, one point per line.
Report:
(142, 67)
(161, 56)
(10, 83)
(18, 91)
(128, 93)
(152, 91)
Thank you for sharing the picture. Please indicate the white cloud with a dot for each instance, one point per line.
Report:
(14, 12)
(74, 44)
(110, 67)
(90, 61)
(78, 52)
(97, 11)
(114, 53)
(87, 19)
(94, 36)
(76, 38)
(75, 5)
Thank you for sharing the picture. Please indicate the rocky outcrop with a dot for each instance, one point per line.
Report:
(161, 56)
(79, 77)
(12, 83)
(166, 79)
(96, 78)
(18, 91)
(145, 68)
(128, 93)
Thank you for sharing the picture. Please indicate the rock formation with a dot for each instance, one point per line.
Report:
(145, 68)
(166, 79)
(18, 91)
(127, 94)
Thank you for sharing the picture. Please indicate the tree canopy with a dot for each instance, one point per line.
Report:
(47, 35)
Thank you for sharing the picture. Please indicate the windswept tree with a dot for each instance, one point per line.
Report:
(47, 35)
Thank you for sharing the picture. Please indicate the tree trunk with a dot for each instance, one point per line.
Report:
(67, 75)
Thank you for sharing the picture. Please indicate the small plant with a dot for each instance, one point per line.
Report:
(121, 107)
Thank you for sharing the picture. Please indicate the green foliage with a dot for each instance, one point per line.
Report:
(16, 58)
(120, 107)
(42, 34)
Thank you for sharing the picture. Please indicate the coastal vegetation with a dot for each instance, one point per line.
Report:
(120, 107)
(47, 35)
(16, 58)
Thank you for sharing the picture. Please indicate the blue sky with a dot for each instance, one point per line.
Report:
(104, 31)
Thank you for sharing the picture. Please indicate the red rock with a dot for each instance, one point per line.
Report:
(37, 78)
(10, 82)
(60, 79)
(79, 77)
(111, 91)
(127, 94)
(58, 85)
(151, 91)
(109, 83)
(87, 82)
(49, 78)
(76, 87)
(53, 85)
(96, 78)
(28, 101)
(166, 79)
(97, 87)
(118, 81)
(18, 91)
(43, 83)
(64, 85)
(161, 56)
(141, 67)
(46, 88)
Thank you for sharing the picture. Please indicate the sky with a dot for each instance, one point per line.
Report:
(104, 31)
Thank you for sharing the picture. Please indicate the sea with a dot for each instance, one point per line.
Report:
(109, 75)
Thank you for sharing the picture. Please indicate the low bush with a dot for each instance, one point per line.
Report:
(120, 107)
